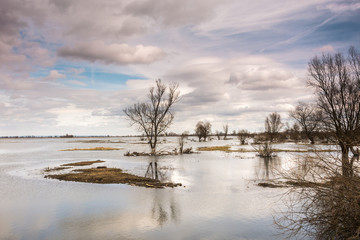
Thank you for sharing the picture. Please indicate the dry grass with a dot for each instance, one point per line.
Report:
(55, 169)
(215, 148)
(110, 175)
(243, 150)
(92, 149)
(84, 163)
(97, 141)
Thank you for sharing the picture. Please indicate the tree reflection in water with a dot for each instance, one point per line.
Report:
(154, 172)
(265, 168)
(164, 207)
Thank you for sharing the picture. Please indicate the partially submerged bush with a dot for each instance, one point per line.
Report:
(265, 150)
(322, 203)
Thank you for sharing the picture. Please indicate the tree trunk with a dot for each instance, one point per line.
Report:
(345, 163)
(153, 150)
(311, 140)
(156, 172)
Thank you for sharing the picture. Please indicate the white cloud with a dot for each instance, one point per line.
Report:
(326, 48)
(343, 6)
(78, 83)
(250, 16)
(54, 75)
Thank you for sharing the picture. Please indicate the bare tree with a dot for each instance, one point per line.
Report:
(242, 136)
(336, 81)
(203, 130)
(154, 117)
(226, 130)
(218, 134)
(309, 117)
(295, 130)
(326, 195)
(273, 125)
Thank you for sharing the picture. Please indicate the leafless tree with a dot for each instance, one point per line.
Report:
(336, 81)
(226, 130)
(295, 132)
(242, 136)
(273, 125)
(218, 134)
(325, 200)
(203, 130)
(309, 117)
(155, 116)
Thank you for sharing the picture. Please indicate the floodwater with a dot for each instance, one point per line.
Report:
(219, 198)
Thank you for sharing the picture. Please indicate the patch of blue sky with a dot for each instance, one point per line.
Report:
(256, 42)
(40, 73)
(37, 37)
(341, 31)
(83, 76)
(109, 77)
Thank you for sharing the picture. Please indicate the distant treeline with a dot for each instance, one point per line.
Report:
(287, 135)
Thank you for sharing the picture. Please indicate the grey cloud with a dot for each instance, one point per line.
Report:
(173, 12)
(121, 54)
(9, 23)
(262, 78)
(131, 26)
(109, 112)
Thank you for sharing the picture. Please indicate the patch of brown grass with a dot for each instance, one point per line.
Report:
(55, 169)
(92, 149)
(110, 175)
(243, 150)
(215, 148)
(84, 163)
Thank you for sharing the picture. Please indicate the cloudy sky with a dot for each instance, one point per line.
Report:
(71, 66)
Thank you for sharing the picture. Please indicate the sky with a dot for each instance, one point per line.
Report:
(72, 66)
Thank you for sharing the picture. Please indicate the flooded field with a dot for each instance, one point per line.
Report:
(219, 197)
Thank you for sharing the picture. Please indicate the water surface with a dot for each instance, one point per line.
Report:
(219, 198)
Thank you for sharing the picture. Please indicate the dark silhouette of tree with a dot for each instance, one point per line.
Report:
(336, 81)
(218, 134)
(242, 136)
(226, 130)
(203, 130)
(155, 116)
(273, 125)
(309, 118)
(295, 132)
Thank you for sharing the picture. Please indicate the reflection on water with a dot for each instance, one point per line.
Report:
(164, 209)
(218, 201)
(154, 172)
(267, 168)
